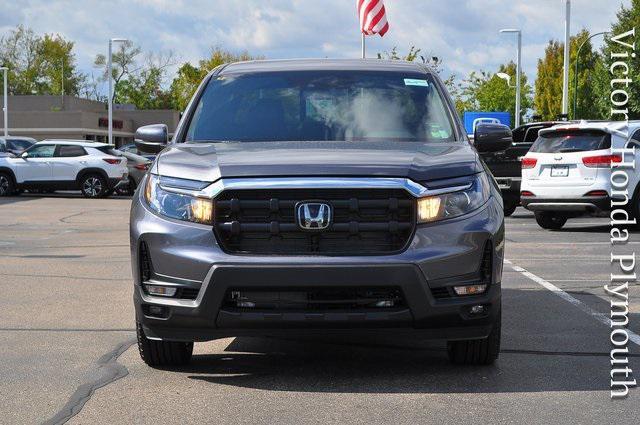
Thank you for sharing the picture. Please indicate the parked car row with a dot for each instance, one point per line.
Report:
(95, 169)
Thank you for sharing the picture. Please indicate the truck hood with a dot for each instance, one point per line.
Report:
(416, 161)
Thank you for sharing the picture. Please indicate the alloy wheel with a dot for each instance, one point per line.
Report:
(4, 185)
(92, 187)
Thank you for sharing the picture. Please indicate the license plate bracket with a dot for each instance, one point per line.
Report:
(559, 171)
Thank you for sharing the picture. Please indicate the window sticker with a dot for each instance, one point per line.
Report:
(415, 82)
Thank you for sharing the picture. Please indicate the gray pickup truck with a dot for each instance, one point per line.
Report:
(313, 197)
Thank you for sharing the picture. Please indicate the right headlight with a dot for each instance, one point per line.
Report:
(179, 206)
(454, 204)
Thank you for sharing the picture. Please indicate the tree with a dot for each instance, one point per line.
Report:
(588, 62)
(184, 85)
(413, 54)
(548, 97)
(144, 88)
(57, 66)
(39, 65)
(140, 82)
(189, 77)
(123, 63)
(485, 91)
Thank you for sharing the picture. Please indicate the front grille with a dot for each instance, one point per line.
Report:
(440, 293)
(188, 293)
(365, 221)
(314, 299)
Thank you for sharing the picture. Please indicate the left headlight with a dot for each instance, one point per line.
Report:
(454, 204)
(177, 205)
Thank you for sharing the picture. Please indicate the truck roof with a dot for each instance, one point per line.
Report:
(324, 65)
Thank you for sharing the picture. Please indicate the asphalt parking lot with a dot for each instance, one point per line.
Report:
(67, 341)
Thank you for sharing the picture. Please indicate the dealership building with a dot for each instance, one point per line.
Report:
(69, 117)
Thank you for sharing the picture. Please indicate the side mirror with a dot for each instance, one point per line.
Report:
(491, 137)
(24, 155)
(152, 138)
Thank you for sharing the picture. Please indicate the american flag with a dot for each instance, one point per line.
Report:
(373, 17)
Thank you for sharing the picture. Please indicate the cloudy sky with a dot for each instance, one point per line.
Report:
(464, 33)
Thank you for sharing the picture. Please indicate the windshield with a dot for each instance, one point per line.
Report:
(18, 144)
(317, 106)
(571, 141)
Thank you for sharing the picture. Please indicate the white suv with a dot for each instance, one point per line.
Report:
(567, 171)
(93, 168)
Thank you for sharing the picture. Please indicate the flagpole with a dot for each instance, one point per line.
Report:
(363, 51)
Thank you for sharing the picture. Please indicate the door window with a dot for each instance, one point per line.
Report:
(42, 151)
(71, 151)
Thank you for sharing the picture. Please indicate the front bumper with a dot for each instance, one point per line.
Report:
(440, 255)
(585, 204)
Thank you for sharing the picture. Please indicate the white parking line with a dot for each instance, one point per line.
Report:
(602, 318)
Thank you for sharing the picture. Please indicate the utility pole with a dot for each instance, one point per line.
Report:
(518, 72)
(5, 108)
(62, 84)
(110, 78)
(567, 48)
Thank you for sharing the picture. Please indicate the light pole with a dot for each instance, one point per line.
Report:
(575, 86)
(518, 70)
(567, 48)
(5, 108)
(62, 84)
(110, 78)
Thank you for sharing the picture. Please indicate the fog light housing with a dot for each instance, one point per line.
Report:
(155, 311)
(470, 289)
(385, 303)
(241, 301)
(161, 291)
(477, 309)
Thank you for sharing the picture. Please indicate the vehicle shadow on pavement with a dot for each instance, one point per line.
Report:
(557, 348)
(15, 199)
(279, 365)
(67, 195)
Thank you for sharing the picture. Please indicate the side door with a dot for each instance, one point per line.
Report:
(36, 167)
(67, 162)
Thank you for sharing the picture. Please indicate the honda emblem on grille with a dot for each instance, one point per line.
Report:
(313, 215)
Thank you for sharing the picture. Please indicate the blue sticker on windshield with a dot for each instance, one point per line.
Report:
(415, 82)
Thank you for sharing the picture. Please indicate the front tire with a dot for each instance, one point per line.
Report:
(93, 186)
(550, 220)
(476, 351)
(7, 187)
(163, 353)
